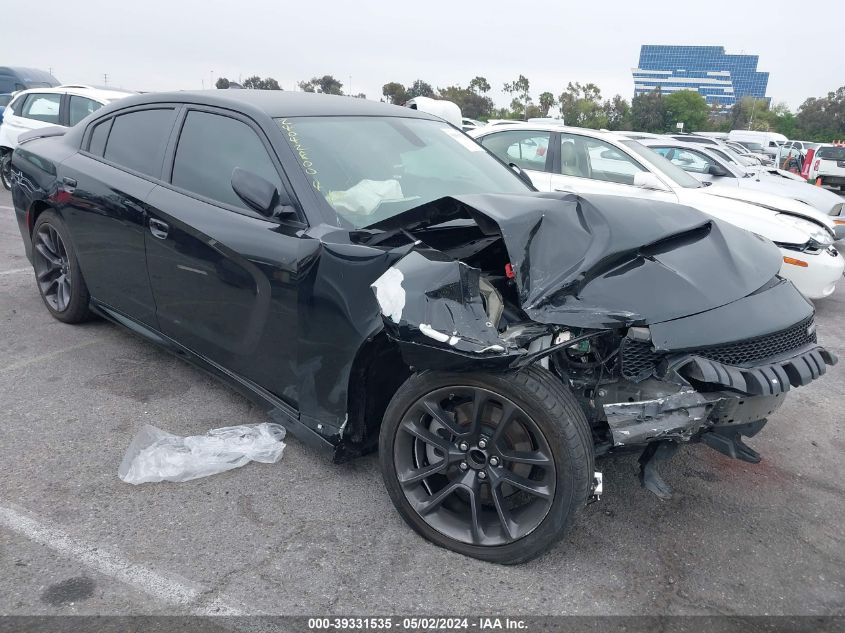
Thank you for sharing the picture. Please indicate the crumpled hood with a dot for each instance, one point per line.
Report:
(608, 261)
(776, 197)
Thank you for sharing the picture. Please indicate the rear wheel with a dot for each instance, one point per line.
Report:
(6, 170)
(57, 271)
(493, 466)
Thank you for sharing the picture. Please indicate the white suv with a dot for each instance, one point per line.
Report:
(44, 107)
(829, 165)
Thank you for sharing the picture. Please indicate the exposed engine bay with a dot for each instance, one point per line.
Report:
(664, 331)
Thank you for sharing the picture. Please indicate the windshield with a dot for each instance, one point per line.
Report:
(754, 147)
(831, 153)
(372, 168)
(732, 157)
(667, 169)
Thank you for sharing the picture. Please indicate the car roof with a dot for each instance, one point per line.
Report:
(99, 94)
(551, 127)
(279, 103)
(30, 73)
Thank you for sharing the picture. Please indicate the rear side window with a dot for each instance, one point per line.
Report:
(42, 107)
(210, 147)
(81, 107)
(97, 144)
(138, 140)
(831, 153)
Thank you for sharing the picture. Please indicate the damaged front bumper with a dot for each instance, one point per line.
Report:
(739, 395)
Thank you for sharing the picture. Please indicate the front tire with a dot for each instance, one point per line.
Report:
(57, 270)
(493, 466)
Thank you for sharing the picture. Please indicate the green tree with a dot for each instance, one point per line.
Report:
(222, 83)
(520, 90)
(472, 104)
(617, 111)
(823, 118)
(581, 106)
(326, 84)
(394, 92)
(479, 85)
(687, 107)
(257, 83)
(420, 89)
(271, 84)
(546, 101)
(648, 112)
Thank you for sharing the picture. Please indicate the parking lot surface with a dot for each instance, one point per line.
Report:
(305, 536)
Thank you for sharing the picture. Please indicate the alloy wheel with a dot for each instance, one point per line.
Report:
(474, 466)
(52, 268)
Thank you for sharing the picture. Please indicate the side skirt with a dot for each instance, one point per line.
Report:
(280, 412)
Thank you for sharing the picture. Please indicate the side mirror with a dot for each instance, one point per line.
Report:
(522, 175)
(260, 194)
(647, 180)
(717, 170)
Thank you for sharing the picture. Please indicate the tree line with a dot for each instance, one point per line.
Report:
(582, 105)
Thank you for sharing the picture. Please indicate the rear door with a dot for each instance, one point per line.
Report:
(528, 149)
(37, 110)
(225, 277)
(108, 183)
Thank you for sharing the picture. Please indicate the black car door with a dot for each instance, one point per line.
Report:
(224, 277)
(107, 183)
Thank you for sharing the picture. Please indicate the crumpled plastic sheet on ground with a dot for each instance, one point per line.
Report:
(155, 455)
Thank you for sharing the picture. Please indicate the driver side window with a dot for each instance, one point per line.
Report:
(587, 157)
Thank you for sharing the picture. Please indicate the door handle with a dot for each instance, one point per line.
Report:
(158, 228)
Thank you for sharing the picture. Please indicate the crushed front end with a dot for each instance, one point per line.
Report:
(668, 327)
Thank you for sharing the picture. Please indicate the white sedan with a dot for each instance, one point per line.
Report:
(578, 160)
(708, 166)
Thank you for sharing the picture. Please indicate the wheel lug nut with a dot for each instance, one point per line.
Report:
(463, 466)
(482, 443)
(482, 474)
(463, 446)
(494, 461)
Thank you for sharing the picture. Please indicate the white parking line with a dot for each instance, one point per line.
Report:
(170, 589)
(37, 359)
(16, 271)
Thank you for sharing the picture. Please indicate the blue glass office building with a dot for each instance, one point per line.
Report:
(721, 78)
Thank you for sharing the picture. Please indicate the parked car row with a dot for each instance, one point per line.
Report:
(377, 280)
(584, 161)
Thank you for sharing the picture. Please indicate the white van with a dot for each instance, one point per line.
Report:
(770, 141)
(446, 110)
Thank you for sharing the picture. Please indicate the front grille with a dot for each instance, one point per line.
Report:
(637, 357)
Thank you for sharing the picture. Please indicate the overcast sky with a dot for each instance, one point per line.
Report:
(181, 44)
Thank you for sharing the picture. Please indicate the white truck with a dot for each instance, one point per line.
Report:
(770, 141)
(829, 165)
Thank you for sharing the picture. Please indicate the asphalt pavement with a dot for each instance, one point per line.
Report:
(305, 536)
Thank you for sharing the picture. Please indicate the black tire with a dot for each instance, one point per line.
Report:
(544, 407)
(6, 170)
(56, 266)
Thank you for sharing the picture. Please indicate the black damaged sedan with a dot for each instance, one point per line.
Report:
(378, 281)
